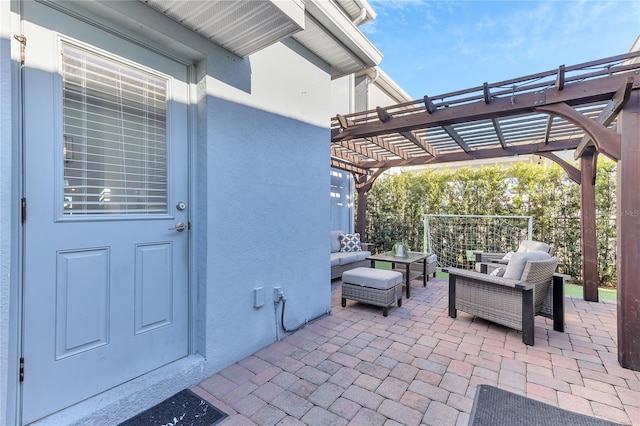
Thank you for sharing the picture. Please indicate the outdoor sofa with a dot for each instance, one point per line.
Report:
(347, 252)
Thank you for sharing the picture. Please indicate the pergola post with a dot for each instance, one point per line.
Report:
(364, 183)
(361, 212)
(588, 225)
(628, 224)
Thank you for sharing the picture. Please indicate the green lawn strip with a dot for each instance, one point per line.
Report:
(569, 289)
(383, 265)
(603, 293)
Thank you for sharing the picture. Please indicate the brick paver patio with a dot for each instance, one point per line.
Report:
(419, 367)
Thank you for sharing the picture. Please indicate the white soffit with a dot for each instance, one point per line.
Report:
(242, 27)
(331, 35)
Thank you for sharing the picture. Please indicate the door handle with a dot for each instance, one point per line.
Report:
(180, 226)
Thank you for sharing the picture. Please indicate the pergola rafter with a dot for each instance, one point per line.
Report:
(494, 119)
(571, 108)
(410, 136)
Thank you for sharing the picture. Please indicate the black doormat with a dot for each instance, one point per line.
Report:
(182, 409)
(497, 407)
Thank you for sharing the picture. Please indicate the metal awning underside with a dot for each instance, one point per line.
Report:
(539, 113)
(245, 27)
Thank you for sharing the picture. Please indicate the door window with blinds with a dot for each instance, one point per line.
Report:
(115, 136)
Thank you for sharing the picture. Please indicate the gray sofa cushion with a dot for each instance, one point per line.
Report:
(518, 261)
(335, 241)
(374, 278)
(344, 258)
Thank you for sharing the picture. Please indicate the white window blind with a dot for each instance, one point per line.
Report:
(115, 136)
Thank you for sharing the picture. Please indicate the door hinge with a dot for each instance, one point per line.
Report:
(22, 369)
(23, 44)
(23, 209)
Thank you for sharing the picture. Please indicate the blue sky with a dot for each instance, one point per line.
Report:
(432, 47)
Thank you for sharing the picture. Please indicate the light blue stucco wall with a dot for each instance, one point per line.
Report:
(266, 204)
(260, 204)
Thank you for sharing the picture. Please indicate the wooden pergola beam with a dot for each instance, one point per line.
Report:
(359, 148)
(609, 113)
(607, 141)
(456, 137)
(349, 167)
(576, 93)
(384, 116)
(479, 154)
(499, 134)
(573, 173)
(410, 136)
(367, 151)
(547, 130)
(383, 143)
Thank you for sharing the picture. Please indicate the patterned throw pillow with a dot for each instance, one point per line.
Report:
(350, 242)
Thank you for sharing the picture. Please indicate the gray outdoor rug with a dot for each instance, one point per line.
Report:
(182, 409)
(497, 407)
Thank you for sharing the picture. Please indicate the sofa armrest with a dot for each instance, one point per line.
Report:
(506, 282)
(488, 257)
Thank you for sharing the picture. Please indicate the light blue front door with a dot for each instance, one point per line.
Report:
(105, 250)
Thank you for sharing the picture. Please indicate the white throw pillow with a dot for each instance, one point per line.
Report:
(529, 245)
(518, 261)
(335, 241)
(498, 272)
(350, 242)
(507, 256)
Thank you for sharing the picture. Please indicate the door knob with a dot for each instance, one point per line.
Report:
(180, 226)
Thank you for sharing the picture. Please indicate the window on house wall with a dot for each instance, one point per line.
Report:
(115, 136)
(341, 200)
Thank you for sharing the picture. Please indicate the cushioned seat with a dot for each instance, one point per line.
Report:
(490, 261)
(345, 258)
(372, 286)
(513, 300)
(370, 277)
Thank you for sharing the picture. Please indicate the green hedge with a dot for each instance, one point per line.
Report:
(396, 206)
